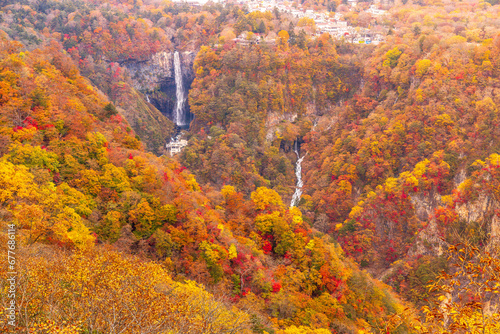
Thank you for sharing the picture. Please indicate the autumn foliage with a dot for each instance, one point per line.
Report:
(401, 162)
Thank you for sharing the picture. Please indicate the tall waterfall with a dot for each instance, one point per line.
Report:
(298, 173)
(180, 114)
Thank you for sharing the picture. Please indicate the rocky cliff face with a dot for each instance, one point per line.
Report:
(479, 213)
(483, 211)
(155, 78)
(273, 121)
(148, 75)
(425, 205)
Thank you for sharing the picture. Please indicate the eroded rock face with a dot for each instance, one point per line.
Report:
(155, 78)
(475, 211)
(425, 205)
(482, 211)
(273, 120)
(428, 241)
(460, 177)
(494, 233)
(148, 75)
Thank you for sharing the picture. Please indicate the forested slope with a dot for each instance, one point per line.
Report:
(74, 176)
(394, 160)
(401, 146)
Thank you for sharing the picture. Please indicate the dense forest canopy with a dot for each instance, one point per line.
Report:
(399, 143)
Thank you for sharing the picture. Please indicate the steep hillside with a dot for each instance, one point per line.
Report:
(95, 35)
(74, 177)
(386, 166)
(253, 103)
(399, 143)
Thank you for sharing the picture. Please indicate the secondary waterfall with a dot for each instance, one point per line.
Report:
(179, 112)
(298, 173)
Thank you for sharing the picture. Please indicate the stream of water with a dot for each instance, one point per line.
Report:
(298, 173)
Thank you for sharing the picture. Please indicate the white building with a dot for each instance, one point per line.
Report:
(176, 146)
(375, 11)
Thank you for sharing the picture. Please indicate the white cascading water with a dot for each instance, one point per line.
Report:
(300, 183)
(180, 118)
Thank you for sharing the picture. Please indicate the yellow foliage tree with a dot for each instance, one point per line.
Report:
(263, 197)
(106, 292)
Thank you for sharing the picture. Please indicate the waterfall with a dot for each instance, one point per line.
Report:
(180, 117)
(298, 173)
(147, 98)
